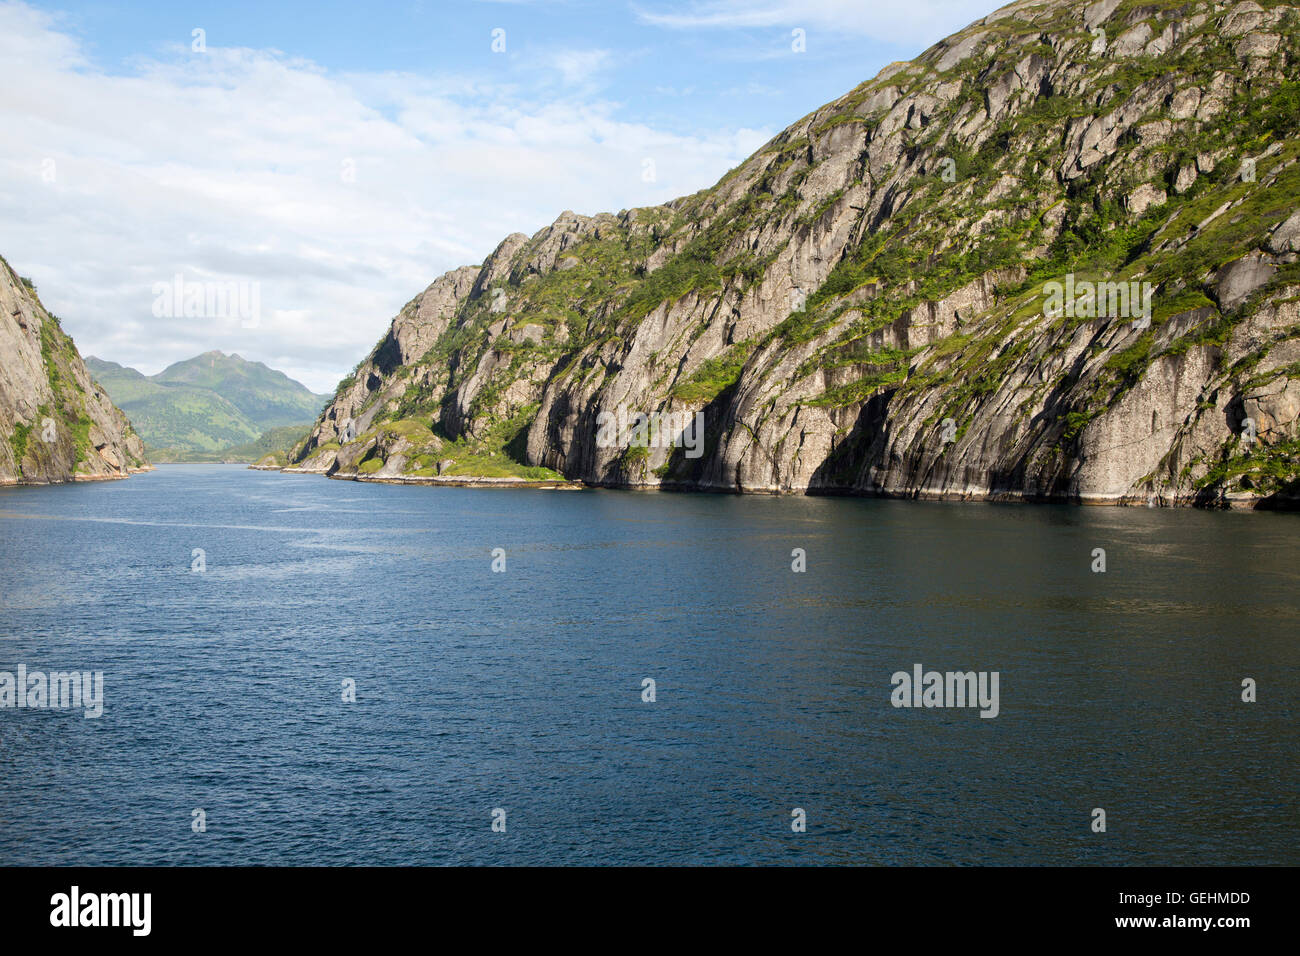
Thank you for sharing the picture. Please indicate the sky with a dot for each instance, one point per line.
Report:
(277, 179)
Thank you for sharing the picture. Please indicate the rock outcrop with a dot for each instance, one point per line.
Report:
(56, 423)
(1055, 257)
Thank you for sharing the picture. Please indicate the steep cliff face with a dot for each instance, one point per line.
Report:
(56, 424)
(1054, 257)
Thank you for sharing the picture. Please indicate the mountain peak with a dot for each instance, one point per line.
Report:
(208, 403)
(217, 354)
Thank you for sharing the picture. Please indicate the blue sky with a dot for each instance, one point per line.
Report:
(661, 60)
(343, 155)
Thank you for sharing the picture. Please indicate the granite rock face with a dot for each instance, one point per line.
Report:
(56, 423)
(868, 304)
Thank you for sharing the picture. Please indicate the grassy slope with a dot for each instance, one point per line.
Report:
(211, 408)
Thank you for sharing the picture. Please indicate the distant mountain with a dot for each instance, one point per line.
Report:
(272, 447)
(203, 407)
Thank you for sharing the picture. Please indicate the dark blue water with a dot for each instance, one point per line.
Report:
(522, 690)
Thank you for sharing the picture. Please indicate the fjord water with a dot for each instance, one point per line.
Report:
(522, 690)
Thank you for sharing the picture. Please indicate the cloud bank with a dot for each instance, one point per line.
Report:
(341, 195)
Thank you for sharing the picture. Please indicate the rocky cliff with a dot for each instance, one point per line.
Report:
(56, 424)
(1054, 257)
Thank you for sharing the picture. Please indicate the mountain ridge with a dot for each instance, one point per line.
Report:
(209, 406)
(860, 306)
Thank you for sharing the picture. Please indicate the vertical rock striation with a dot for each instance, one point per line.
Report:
(865, 306)
(56, 423)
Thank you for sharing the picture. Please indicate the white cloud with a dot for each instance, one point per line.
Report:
(577, 66)
(916, 21)
(234, 165)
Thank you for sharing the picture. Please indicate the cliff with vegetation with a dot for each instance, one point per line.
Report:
(56, 424)
(866, 305)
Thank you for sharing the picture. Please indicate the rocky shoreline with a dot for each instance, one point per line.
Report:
(461, 481)
(8, 481)
(1236, 501)
(1231, 501)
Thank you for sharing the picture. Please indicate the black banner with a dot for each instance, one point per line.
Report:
(336, 905)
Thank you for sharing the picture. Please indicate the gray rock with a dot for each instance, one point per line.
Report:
(1238, 280)
(1098, 13)
(958, 51)
(1144, 197)
(1286, 238)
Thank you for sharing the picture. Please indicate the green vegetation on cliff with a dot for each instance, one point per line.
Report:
(861, 305)
(56, 426)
